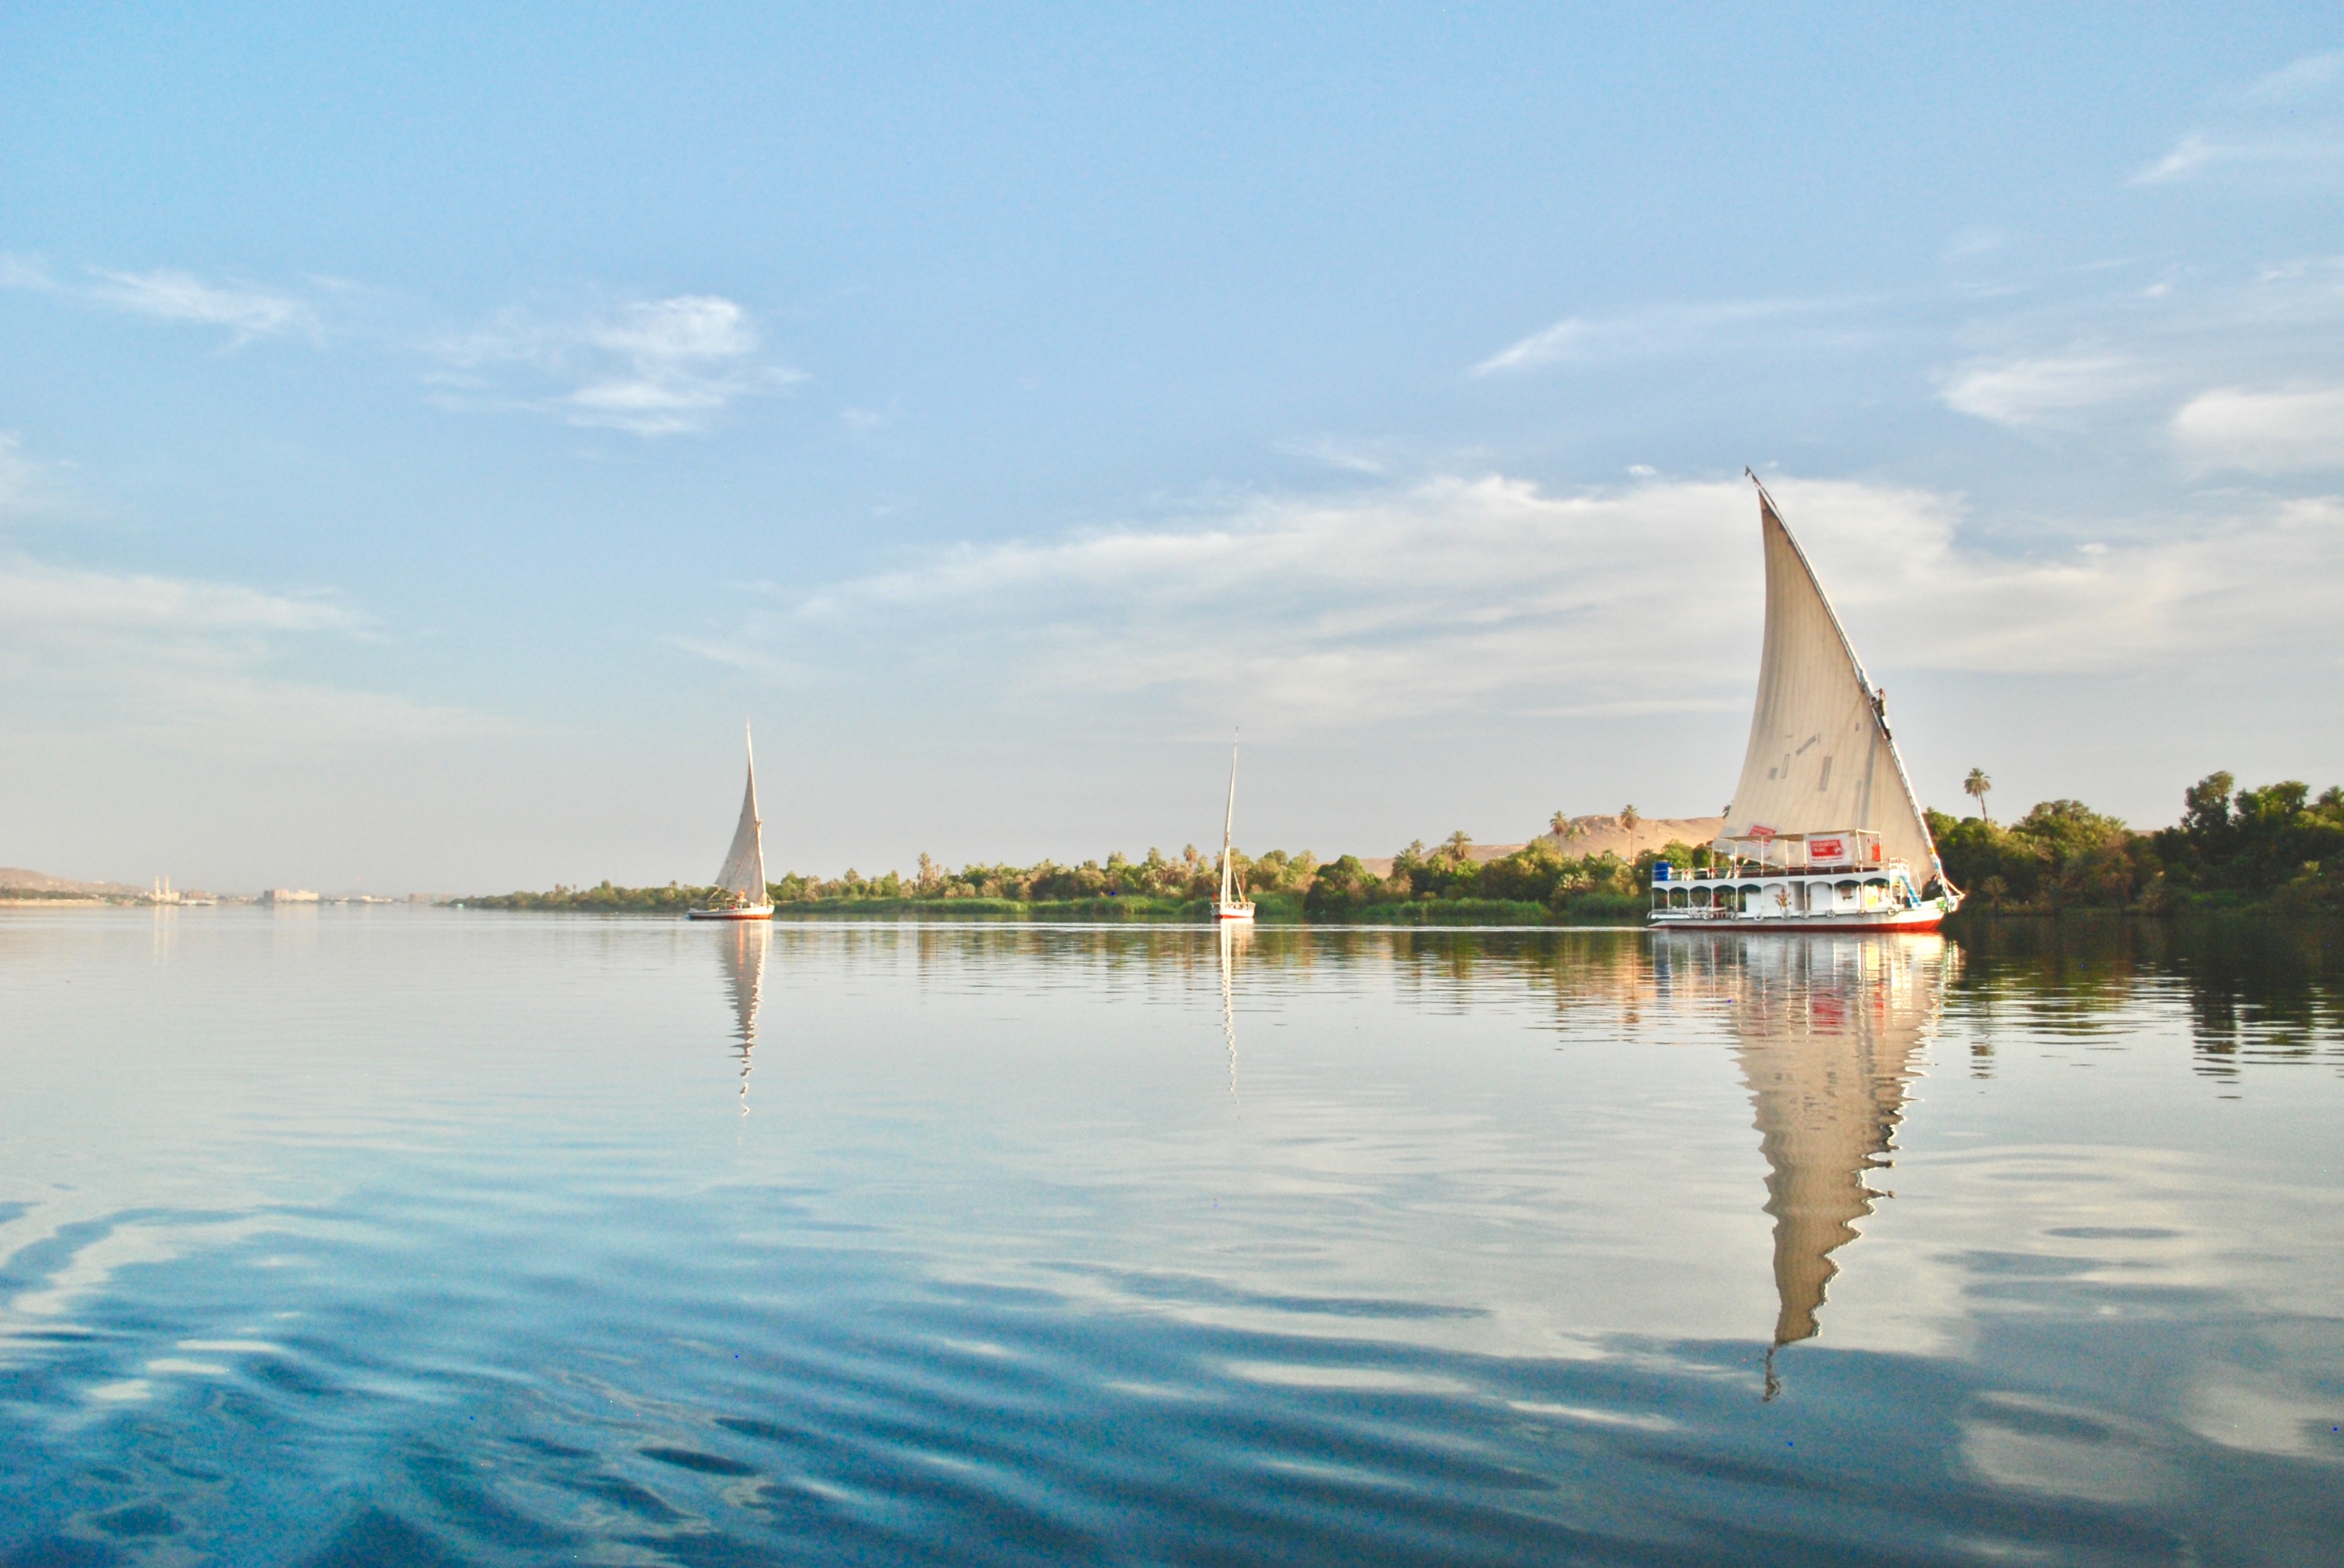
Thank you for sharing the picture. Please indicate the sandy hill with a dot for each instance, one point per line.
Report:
(1599, 834)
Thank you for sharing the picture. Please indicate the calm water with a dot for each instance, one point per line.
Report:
(427, 1237)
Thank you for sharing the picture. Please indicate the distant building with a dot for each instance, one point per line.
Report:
(289, 896)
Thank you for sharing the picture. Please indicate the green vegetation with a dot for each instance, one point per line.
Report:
(605, 899)
(2275, 848)
(1536, 884)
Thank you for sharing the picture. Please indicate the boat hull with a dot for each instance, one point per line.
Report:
(1241, 915)
(755, 912)
(1923, 917)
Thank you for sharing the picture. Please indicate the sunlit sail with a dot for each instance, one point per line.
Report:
(740, 893)
(1230, 902)
(1824, 831)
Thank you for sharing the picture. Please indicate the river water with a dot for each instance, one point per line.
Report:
(423, 1236)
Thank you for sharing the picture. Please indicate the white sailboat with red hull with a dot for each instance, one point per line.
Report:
(1825, 833)
(740, 892)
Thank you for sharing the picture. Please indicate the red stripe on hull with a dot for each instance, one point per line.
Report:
(1924, 923)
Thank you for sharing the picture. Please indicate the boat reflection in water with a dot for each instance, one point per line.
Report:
(741, 947)
(1830, 1032)
(1234, 936)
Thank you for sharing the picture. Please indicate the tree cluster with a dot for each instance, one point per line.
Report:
(1158, 877)
(2278, 847)
(1424, 880)
(601, 899)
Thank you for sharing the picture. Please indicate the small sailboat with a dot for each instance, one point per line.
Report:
(1825, 833)
(1230, 904)
(740, 893)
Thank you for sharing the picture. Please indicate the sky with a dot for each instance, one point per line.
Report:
(425, 439)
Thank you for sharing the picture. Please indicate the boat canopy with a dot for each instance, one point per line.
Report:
(1820, 757)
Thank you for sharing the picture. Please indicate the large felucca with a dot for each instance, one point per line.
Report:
(740, 893)
(1825, 833)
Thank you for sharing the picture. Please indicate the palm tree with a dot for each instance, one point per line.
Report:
(1977, 786)
(1628, 819)
(1457, 846)
(1559, 824)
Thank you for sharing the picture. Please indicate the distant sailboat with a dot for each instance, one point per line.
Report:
(740, 893)
(1825, 833)
(1231, 904)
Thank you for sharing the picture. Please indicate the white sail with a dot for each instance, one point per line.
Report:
(744, 862)
(1820, 754)
(1228, 830)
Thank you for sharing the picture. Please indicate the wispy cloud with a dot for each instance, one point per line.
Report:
(2198, 152)
(36, 595)
(652, 368)
(1334, 454)
(197, 662)
(2264, 431)
(1658, 330)
(169, 294)
(2290, 121)
(17, 472)
(1465, 594)
(2312, 74)
(2026, 391)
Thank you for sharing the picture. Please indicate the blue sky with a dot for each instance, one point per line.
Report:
(428, 438)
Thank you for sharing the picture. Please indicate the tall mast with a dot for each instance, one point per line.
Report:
(748, 745)
(1229, 823)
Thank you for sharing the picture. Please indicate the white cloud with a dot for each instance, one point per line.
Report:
(32, 594)
(169, 294)
(2269, 432)
(190, 663)
(654, 367)
(2277, 123)
(1659, 330)
(2197, 153)
(2190, 154)
(174, 296)
(1486, 593)
(1333, 453)
(23, 272)
(17, 472)
(2311, 75)
(2026, 391)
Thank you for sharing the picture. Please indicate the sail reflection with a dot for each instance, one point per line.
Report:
(1830, 1032)
(1234, 937)
(741, 947)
